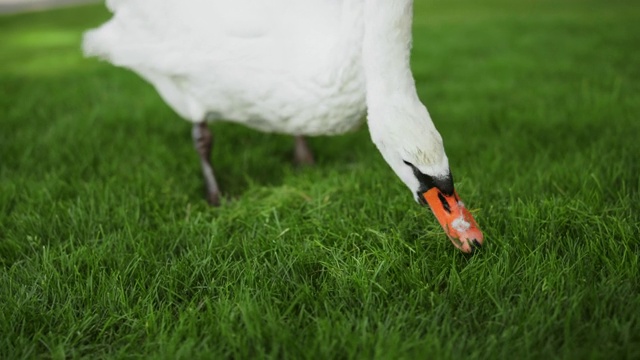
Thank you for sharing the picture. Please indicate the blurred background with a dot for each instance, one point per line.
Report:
(16, 6)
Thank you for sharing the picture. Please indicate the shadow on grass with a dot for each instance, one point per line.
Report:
(96, 121)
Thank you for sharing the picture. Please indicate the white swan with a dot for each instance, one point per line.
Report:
(299, 67)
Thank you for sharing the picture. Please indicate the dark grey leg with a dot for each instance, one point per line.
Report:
(203, 141)
(303, 155)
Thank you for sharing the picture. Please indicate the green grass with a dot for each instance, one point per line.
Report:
(107, 249)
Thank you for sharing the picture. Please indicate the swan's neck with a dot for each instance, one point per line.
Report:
(386, 52)
(399, 123)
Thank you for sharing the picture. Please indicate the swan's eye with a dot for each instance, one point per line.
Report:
(445, 184)
(419, 174)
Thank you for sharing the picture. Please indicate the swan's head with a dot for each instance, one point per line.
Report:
(412, 146)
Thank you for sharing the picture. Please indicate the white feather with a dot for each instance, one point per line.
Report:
(300, 67)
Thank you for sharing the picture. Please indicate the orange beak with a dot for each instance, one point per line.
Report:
(455, 219)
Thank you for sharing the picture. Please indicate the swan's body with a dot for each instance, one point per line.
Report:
(300, 67)
(240, 61)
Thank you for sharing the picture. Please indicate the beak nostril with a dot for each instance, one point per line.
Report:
(445, 203)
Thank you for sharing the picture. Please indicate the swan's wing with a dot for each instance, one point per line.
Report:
(174, 36)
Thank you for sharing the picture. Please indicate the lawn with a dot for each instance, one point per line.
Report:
(108, 250)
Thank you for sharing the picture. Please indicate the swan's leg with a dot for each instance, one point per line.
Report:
(203, 141)
(303, 155)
